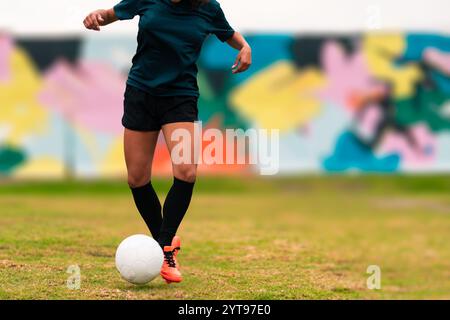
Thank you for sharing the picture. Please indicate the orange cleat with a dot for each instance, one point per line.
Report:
(176, 244)
(169, 270)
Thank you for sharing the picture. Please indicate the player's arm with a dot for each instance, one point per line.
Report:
(244, 58)
(99, 18)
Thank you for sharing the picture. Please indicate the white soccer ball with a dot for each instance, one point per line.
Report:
(139, 259)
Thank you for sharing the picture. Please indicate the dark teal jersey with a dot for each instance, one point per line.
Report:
(170, 39)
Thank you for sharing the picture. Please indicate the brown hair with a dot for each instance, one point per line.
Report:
(198, 3)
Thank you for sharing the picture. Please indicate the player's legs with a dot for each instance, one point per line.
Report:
(139, 147)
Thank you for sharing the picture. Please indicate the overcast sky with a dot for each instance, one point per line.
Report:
(62, 16)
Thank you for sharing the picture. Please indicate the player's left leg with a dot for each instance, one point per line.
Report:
(180, 194)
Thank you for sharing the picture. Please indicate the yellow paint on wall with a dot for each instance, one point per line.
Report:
(381, 51)
(19, 107)
(114, 162)
(280, 97)
(46, 167)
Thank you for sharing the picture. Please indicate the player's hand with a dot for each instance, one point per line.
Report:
(243, 60)
(95, 20)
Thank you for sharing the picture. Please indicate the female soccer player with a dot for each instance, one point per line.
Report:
(162, 94)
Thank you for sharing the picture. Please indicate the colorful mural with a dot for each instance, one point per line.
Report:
(371, 103)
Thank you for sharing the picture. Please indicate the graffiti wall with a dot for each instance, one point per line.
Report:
(371, 103)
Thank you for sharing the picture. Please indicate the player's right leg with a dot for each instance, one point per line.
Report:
(140, 138)
(139, 148)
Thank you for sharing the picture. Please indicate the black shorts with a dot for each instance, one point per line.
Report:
(145, 112)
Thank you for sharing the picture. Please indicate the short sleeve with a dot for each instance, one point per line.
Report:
(220, 26)
(126, 9)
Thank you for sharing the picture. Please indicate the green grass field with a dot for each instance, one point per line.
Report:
(285, 238)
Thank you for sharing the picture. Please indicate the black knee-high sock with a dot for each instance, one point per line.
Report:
(175, 207)
(149, 207)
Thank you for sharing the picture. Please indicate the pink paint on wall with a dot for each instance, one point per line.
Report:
(6, 49)
(368, 122)
(346, 74)
(421, 155)
(89, 94)
(438, 59)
